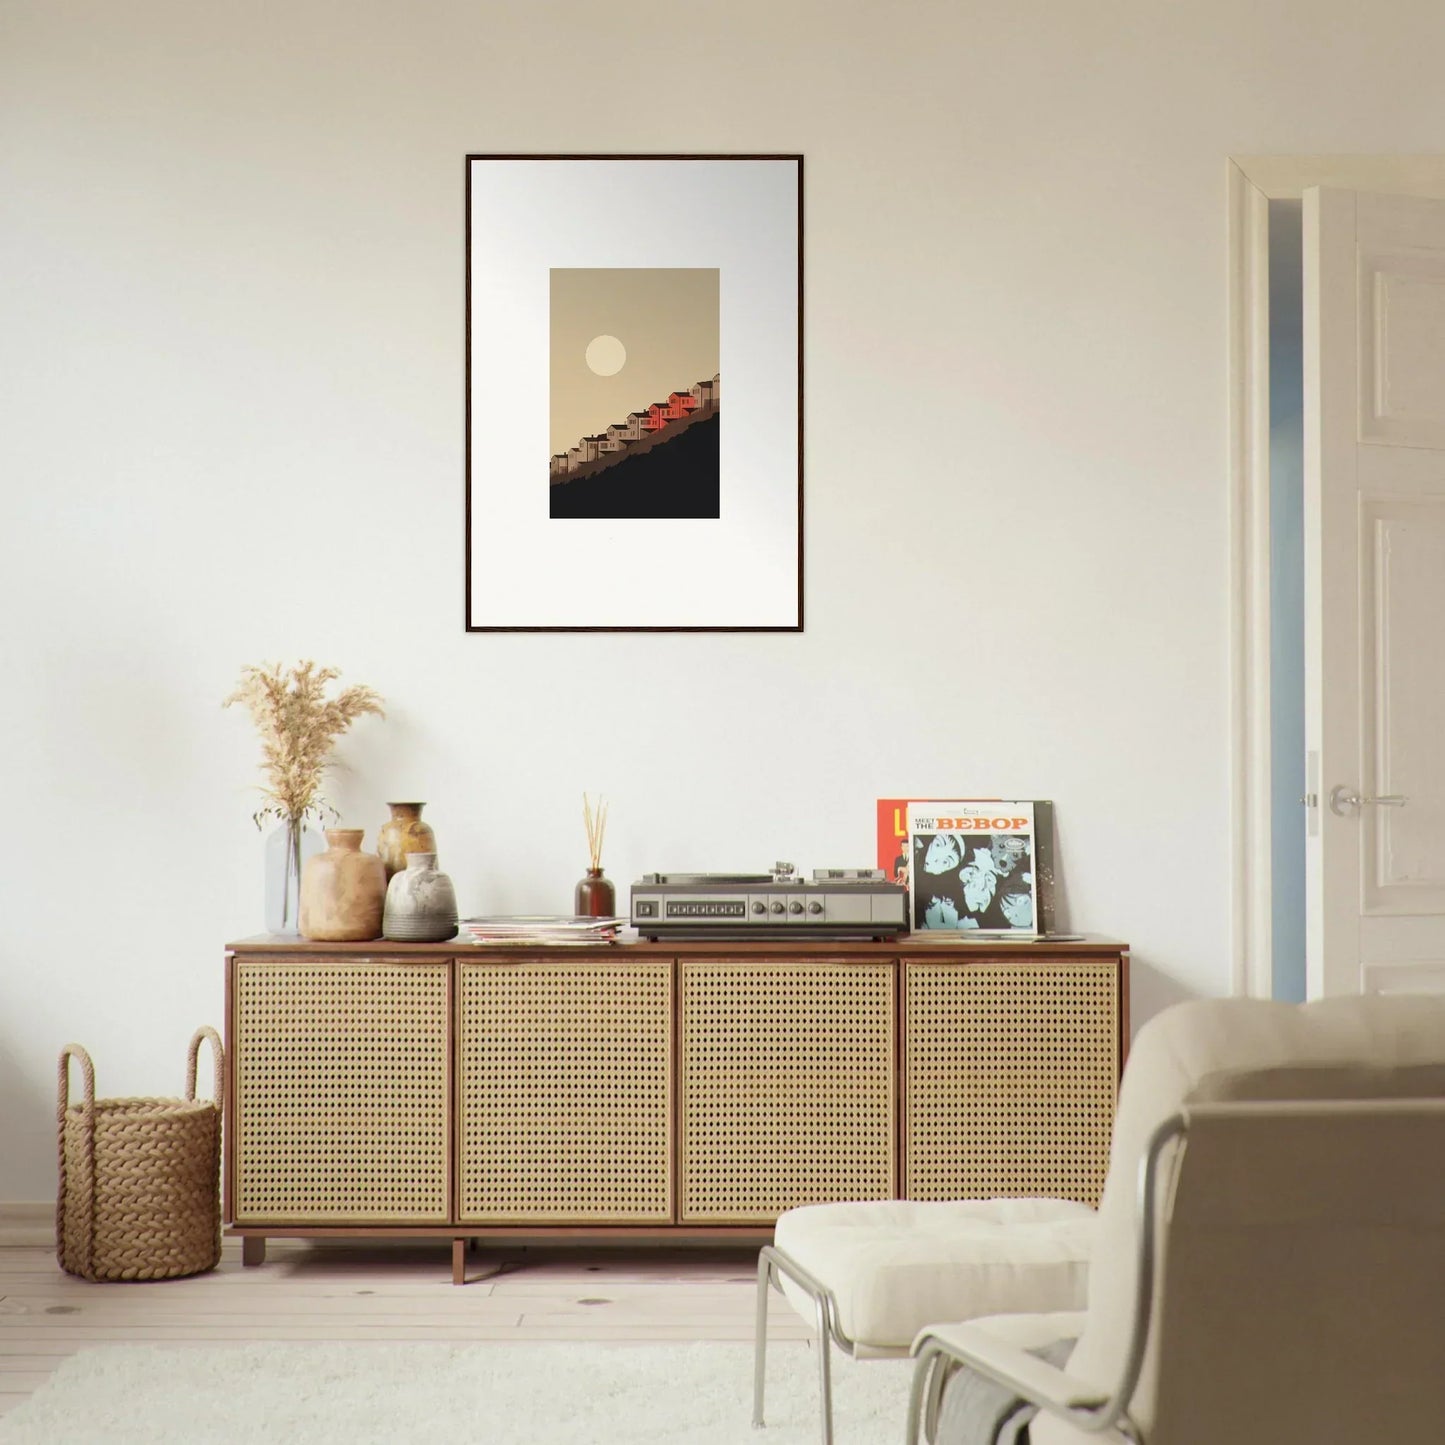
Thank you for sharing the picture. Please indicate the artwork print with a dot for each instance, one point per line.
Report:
(607, 300)
(635, 392)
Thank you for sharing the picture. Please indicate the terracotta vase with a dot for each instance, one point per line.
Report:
(403, 833)
(595, 897)
(421, 904)
(343, 891)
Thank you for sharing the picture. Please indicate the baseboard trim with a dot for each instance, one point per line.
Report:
(27, 1223)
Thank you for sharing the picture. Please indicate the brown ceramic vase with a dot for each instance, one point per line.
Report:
(403, 833)
(594, 896)
(343, 891)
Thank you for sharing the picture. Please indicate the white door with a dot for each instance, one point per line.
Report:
(1374, 343)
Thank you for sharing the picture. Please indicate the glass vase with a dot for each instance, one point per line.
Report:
(288, 846)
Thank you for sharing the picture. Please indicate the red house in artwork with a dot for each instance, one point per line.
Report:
(677, 406)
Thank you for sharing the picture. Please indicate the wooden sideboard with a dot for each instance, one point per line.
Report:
(668, 1091)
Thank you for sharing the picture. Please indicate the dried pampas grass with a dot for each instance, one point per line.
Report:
(299, 726)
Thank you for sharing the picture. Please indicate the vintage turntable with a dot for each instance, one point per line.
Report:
(834, 903)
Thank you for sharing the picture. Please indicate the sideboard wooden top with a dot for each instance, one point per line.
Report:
(913, 945)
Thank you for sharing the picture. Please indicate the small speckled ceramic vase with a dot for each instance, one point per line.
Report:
(421, 904)
(343, 891)
(403, 833)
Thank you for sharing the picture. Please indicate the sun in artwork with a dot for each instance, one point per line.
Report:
(606, 355)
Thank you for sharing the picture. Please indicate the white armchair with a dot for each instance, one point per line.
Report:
(1269, 1258)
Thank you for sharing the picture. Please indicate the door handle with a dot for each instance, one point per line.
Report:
(1344, 800)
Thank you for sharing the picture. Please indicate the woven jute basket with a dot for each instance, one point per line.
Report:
(139, 1178)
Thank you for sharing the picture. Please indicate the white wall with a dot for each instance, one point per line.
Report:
(231, 334)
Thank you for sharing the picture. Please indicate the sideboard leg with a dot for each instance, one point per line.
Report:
(253, 1249)
(459, 1261)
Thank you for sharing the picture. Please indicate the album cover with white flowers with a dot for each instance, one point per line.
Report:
(982, 865)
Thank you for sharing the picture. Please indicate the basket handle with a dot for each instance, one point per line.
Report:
(192, 1055)
(87, 1070)
(85, 1227)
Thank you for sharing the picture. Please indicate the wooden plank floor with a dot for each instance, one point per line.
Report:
(377, 1293)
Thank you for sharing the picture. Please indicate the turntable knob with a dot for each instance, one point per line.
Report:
(777, 907)
(795, 907)
(815, 907)
(759, 906)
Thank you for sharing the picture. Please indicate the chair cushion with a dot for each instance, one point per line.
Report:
(895, 1266)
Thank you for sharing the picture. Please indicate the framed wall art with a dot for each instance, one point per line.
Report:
(634, 393)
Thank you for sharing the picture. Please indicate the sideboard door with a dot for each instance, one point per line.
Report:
(787, 1086)
(1010, 1075)
(341, 1091)
(564, 1096)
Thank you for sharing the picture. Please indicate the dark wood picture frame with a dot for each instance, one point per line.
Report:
(474, 624)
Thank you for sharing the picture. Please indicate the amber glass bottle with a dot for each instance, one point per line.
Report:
(595, 896)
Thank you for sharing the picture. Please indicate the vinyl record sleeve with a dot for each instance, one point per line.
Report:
(981, 865)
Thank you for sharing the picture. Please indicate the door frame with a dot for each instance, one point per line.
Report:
(1254, 181)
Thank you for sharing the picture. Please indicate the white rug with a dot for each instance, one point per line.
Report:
(484, 1394)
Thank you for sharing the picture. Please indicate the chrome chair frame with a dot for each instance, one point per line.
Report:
(773, 1263)
(937, 1359)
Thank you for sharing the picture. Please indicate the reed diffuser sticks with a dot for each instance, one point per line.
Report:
(595, 896)
(596, 823)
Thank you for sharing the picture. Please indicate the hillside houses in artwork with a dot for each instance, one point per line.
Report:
(638, 432)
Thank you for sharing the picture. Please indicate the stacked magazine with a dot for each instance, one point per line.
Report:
(531, 928)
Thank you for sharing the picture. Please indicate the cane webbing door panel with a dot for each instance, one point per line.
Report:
(787, 1086)
(341, 1091)
(1010, 1076)
(565, 1091)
